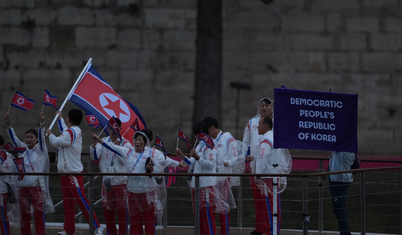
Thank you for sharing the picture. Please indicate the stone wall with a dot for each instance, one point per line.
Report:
(145, 49)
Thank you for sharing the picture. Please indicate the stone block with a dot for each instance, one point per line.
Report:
(103, 37)
(129, 38)
(165, 18)
(335, 5)
(353, 42)
(253, 41)
(126, 2)
(96, 3)
(393, 25)
(42, 16)
(380, 3)
(184, 60)
(151, 39)
(98, 57)
(339, 62)
(375, 140)
(63, 60)
(174, 81)
(121, 59)
(308, 42)
(15, 36)
(303, 23)
(279, 61)
(30, 59)
(257, 20)
(191, 19)
(386, 42)
(285, 3)
(75, 16)
(105, 18)
(333, 22)
(17, 3)
(381, 62)
(173, 4)
(316, 62)
(238, 60)
(36, 79)
(136, 80)
(179, 40)
(40, 37)
(368, 24)
(10, 17)
(125, 19)
(10, 79)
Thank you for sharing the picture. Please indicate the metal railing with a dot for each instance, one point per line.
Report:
(304, 176)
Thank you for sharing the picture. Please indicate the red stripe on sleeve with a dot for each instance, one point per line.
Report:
(71, 135)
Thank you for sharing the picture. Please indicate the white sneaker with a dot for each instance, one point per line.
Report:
(64, 233)
(98, 231)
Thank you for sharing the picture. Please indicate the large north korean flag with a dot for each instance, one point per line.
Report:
(95, 96)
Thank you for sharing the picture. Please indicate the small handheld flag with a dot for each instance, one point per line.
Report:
(49, 99)
(3, 155)
(171, 179)
(207, 139)
(92, 120)
(22, 102)
(19, 163)
(184, 137)
(159, 143)
(114, 126)
(134, 125)
(8, 146)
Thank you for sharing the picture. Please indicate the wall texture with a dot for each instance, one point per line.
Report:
(145, 49)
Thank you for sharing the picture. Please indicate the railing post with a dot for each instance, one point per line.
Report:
(240, 206)
(306, 217)
(320, 200)
(363, 202)
(164, 220)
(400, 202)
(90, 198)
(197, 205)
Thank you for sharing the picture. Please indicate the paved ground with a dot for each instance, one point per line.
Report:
(82, 229)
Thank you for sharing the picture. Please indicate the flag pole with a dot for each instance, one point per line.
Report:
(195, 143)
(125, 132)
(102, 130)
(177, 142)
(69, 93)
(9, 109)
(42, 107)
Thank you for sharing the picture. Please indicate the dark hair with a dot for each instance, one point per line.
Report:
(1, 140)
(266, 100)
(143, 137)
(148, 133)
(268, 121)
(33, 131)
(75, 116)
(200, 126)
(210, 121)
(117, 121)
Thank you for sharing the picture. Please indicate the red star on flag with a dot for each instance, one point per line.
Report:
(115, 106)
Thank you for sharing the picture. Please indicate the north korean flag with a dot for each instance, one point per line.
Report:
(49, 99)
(92, 120)
(3, 155)
(159, 143)
(184, 137)
(95, 96)
(134, 126)
(8, 146)
(22, 102)
(19, 163)
(207, 139)
(112, 124)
